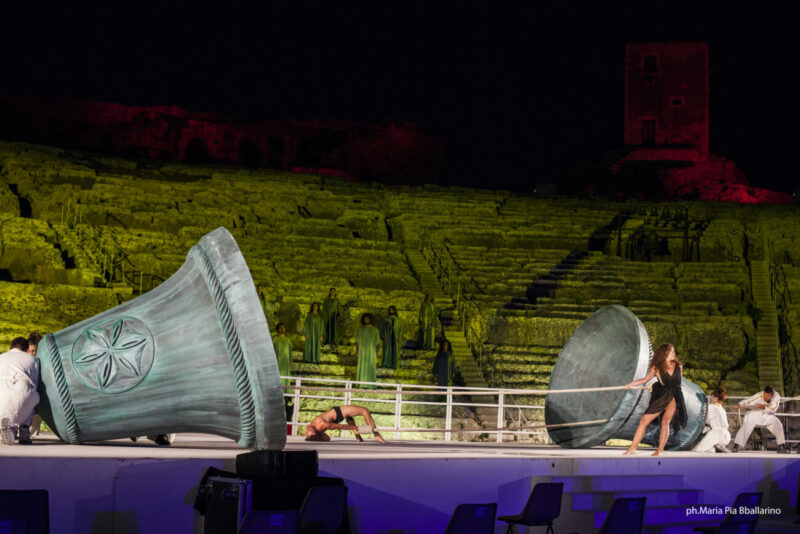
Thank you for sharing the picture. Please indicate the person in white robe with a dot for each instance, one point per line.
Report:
(761, 413)
(716, 436)
(19, 379)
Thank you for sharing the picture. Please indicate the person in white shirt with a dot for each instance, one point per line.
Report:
(19, 378)
(762, 414)
(717, 435)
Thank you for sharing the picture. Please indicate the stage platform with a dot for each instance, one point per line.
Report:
(401, 486)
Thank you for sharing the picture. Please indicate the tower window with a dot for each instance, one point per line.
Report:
(676, 101)
(650, 69)
(650, 65)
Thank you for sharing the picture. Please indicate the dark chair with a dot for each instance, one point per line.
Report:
(25, 511)
(738, 523)
(472, 519)
(322, 512)
(269, 522)
(543, 506)
(626, 517)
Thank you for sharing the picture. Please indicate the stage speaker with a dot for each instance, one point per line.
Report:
(228, 501)
(612, 348)
(192, 355)
(278, 464)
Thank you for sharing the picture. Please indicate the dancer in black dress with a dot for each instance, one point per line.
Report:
(666, 399)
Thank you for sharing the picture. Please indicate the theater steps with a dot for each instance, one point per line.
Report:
(769, 361)
(468, 367)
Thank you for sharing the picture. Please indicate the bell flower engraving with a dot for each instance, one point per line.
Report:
(114, 355)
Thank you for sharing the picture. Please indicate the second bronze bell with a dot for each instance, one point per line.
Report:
(611, 348)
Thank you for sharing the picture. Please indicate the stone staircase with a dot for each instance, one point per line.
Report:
(769, 361)
(468, 367)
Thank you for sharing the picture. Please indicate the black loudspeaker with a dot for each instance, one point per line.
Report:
(277, 464)
(24, 512)
(228, 501)
(281, 479)
(286, 493)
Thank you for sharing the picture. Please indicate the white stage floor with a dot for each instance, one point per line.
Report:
(198, 446)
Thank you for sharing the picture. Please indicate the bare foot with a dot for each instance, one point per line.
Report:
(657, 453)
(629, 451)
(379, 438)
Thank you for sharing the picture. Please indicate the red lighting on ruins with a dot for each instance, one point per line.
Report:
(391, 152)
(667, 127)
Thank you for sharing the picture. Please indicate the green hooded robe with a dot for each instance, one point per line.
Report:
(331, 309)
(283, 352)
(312, 330)
(427, 325)
(444, 367)
(368, 340)
(391, 336)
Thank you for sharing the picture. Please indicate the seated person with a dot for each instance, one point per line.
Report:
(716, 436)
(19, 378)
(329, 420)
(762, 408)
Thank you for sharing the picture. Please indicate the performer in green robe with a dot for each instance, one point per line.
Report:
(427, 323)
(266, 304)
(367, 341)
(330, 314)
(392, 339)
(312, 330)
(283, 352)
(444, 365)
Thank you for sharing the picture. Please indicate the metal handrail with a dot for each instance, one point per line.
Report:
(112, 266)
(781, 295)
(395, 393)
(398, 391)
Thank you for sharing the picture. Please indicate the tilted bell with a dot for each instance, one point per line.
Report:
(611, 348)
(192, 355)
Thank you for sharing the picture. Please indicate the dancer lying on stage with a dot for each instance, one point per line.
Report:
(762, 414)
(716, 436)
(315, 430)
(666, 399)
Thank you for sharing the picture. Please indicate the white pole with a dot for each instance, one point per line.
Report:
(398, 409)
(448, 418)
(296, 407)
(500, 418)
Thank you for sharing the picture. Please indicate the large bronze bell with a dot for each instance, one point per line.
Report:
(192, 355)
(611, 348)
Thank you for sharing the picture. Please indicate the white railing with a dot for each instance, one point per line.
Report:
(350, 392)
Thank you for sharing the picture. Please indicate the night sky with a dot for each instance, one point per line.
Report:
(517, 90)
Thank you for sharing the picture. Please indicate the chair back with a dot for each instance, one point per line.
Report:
(269, 522)
(626, 517)
(323, 510)
(746, 517)
(472, 519)
(26, 511)
(544, 504)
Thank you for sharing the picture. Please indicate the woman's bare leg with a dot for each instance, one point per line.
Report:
(351, 421)
(363, 412)
(640, 430)
(669, 413)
